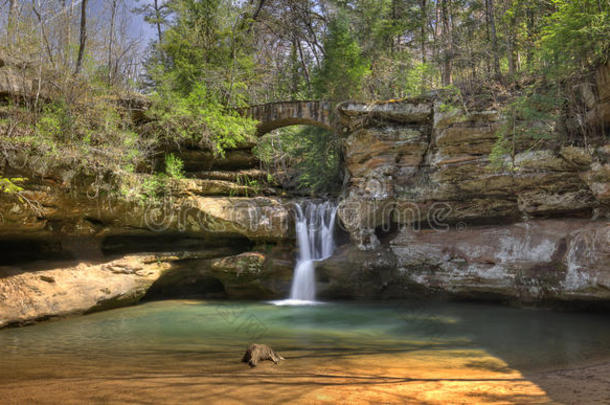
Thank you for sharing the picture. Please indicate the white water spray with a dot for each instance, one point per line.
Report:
(315, 225)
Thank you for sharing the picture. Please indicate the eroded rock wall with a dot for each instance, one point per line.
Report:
(67, 247)
(533, 261)
(429, 210)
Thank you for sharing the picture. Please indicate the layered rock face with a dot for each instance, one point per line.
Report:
(66, 248)
(533, 261)
(430, 207)
(429, 210)
(435, 169)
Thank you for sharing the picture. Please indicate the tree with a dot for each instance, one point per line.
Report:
(344, 68)
(205, 72)
(423, 28)
(11, 20)
(448, 44)
(491, 19)
(113, 11)
(155, 14)
(576, 36)
(82, 36)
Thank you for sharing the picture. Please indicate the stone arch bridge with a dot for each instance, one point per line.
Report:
(337, 117)
(282, 114)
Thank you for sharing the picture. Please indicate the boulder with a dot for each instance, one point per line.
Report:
(66, 289)
(254, 275)
(257, 353)
(14, 84)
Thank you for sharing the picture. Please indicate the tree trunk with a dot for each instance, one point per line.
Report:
(434, 27)
(67, 55)
(43, 33)
(158, 20)
(530, 36)
(494, 38)
(111, 39)
(512, 44)
(12, 20)
(261, 3)
(83, 37)
(448, 42)
(305, 69)
(424, 22)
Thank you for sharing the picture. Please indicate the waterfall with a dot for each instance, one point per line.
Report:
(315, 225)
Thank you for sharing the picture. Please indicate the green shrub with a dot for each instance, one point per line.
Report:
(174, 167)
(198, 117)
(7, 185)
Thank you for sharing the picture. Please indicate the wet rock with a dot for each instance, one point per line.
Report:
(352, 273)
(546, 260)
(255, 275)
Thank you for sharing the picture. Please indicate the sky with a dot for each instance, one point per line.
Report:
(137, 28)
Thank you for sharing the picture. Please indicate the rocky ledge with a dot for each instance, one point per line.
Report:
(432, 206)
(49, 290)
(530, 262)
(67, 248)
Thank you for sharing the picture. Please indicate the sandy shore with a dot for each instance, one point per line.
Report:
(418, 377)
(580, 384)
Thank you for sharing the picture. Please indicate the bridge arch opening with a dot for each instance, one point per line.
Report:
(266, 127)
(273, 116)
(303, 159)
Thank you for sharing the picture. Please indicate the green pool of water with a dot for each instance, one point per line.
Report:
(175, 330)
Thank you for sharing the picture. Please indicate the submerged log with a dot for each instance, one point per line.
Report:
(256, 353)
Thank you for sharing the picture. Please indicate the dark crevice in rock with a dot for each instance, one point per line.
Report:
(386, 232)
(23, 250)
(126, 244)
(186, 282)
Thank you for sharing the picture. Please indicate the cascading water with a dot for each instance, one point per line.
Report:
(315, 225)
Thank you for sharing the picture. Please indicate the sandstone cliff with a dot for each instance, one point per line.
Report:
(429, 211)
(425, 210)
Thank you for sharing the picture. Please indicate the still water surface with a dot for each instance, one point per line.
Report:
(341, 340)
(523, 337)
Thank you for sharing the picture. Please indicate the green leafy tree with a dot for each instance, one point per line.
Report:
(576, 36)
(306, 158)
(344, 68)
(204, 75)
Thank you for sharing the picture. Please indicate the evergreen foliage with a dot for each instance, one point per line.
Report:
(202, 75)
(210, 58)
(344, 68)
(576, 36)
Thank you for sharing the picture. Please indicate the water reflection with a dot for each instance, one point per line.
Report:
(520, 337)
(388, 352)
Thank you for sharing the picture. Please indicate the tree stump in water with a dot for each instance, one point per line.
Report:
(256, 353)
